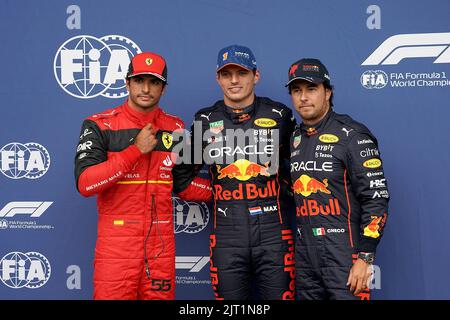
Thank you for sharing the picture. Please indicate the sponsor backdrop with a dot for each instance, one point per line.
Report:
(64, 60)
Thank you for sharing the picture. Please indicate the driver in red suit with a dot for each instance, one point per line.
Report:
(125, 157)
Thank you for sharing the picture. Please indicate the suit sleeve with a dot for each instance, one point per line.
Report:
(94, 170)
(288, 128)
(187, 184)
(370, 187)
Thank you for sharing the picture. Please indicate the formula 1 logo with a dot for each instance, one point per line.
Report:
(419, 45)
(30, 160)
(193, 264)
(24, 270)
(86, 67)
(32, 208)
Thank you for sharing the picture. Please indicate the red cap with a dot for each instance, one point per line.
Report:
(148, 63)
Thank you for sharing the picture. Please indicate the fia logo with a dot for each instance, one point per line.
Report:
(24, 270)
(189, 217)
(86, 66)
(30, 160)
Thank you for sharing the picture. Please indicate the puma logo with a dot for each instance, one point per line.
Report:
(280, 112)
(205, 116)
(223, 211)
(347, 131)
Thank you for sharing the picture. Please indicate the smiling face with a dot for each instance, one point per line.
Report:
(144, 92)
(311, 101)
(237, 85)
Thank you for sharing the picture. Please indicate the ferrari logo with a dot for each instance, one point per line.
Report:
(167, 139)
(149, 61)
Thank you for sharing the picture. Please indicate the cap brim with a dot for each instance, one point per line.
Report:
(309, 79)
(233, 64)
(149, 73)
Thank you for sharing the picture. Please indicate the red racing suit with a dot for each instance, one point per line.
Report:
(135, 249)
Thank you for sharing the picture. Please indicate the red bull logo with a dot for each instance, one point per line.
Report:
(293, 69)
(242, 170)
(373, 228)
(311, 207)
(246, 191)
(289, 264)
(305, 185)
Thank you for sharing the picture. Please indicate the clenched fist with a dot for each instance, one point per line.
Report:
(146, 139)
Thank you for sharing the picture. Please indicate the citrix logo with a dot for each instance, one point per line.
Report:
(418, 45)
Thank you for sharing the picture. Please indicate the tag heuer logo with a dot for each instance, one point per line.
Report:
(297, 141)
(216, 127)
(167, 139)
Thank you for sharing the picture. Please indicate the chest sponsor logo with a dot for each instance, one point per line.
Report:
(297, 141)
(247, 150)
(326, 148)
(373, 174)
(380, 194)
(311, 166)
(378, 183)
(265, 122)
(295, 153)
(328, 138)
(365, 141)
(167, 161)
(372, 163)
(216, 126)
(368, 152)
(84, 146)
(246, 191)
(167, 139)
(305, 185)
(242, 170)
(347, 131)
(311, 207)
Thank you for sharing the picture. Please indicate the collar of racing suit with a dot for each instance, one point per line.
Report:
(142, 118)
(240, 115)
(312, 130)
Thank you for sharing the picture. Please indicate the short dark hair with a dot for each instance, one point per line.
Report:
(326, 84)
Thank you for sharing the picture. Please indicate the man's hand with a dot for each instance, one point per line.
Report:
(146, 139)
(359, 276)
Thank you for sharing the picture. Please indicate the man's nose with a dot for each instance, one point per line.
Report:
(234, 78)
(303, 96)
(146, 86)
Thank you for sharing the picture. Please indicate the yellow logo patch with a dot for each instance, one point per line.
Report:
(328, 138)
(265, 122)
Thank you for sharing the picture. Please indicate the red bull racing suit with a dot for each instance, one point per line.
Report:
(135, 250)
(251, 241)
(341, 201)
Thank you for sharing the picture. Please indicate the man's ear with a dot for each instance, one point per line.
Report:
(257, 76)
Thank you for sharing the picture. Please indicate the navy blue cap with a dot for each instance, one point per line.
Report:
(309, 69)
(236, 55)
